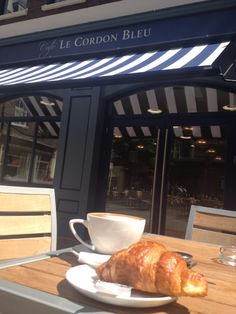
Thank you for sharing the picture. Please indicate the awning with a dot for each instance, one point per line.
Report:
(202, 56)
(169, 99)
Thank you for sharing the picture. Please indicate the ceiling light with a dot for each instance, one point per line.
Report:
(140, 146)
(154, 110)
(188, 128)
(218, 158)
(118, 136)
(185, 137)
(201, 141)
(47, 103)
(229, 107)
(211, 150)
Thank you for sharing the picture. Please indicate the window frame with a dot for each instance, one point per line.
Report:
(8, 15)
(61, 4)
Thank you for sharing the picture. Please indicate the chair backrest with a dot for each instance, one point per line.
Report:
(27, 221)
(212, 225)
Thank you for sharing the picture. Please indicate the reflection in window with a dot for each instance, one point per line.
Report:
(19, 154)
(20, 111)
(45, 159)
(3, 131)
(66, 2)
(15, 5)
(130, 180)
(29, 132)
(54, 1)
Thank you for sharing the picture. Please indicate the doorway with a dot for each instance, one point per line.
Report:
(163, 163)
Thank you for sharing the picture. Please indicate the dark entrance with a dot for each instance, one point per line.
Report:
(172, 147)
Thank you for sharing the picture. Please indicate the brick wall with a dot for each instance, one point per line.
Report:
(34, 9)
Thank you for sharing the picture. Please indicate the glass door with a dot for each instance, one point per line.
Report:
(159, 177)
(176, 148)
(196, 173)
(131, 171)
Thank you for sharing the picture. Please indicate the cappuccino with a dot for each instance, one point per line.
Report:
(110, 232)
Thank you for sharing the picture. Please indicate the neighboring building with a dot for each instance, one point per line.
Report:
(120, 105)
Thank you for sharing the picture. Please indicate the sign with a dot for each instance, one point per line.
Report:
(146, 34)
(99, 41)
(79, 44)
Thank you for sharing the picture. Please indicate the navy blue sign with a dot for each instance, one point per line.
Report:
(174, 30)
(98, 41)
(85, 43)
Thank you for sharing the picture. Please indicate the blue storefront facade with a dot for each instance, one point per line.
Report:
(91, 67)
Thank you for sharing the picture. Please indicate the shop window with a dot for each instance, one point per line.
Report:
(20, 111)
(55, 4)
(68, 1)
(11, 6)
(19, 154)
(54, 1)
(29, 132)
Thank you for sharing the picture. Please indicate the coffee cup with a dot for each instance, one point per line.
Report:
(109, 232)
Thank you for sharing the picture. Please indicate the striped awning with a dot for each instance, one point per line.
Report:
(172, 100)
(202, 56)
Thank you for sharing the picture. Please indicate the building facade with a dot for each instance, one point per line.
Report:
(120, 107)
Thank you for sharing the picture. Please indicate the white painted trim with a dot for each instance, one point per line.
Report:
(13, 15)
(87, 15)
(58, 5)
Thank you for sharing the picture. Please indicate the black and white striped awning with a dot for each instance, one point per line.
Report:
(202, 56)
(182, 132)
(169, 99)
(173, 99)
(40, 106)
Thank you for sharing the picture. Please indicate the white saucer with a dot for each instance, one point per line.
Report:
(83, 279)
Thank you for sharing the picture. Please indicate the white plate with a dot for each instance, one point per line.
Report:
(83, 278)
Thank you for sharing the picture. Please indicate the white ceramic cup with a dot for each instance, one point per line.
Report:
(110, 232)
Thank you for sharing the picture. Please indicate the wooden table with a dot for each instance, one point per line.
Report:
(48, 275)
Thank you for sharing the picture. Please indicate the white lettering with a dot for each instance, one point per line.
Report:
(98, 40)
(114, 37)
(126, 34)
(89, 41)
(77, 42)
(147, 32)
(140, 33)
(65, 44)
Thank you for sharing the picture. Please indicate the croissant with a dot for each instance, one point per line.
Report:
(148, 266)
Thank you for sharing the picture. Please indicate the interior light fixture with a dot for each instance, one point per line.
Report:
(201, 141)
(188, 128)
(140, 146)
(47, 103)
(185, 137)
(117, 136)
(154, 110)
(230, 107)
(218, 158)
(211, 150)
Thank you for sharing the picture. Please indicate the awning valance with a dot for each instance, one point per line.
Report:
(202, 56)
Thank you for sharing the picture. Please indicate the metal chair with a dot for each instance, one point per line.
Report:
(27, 221)
(211, 225)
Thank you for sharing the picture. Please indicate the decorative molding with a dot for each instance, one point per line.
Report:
(58, 5)
(13, 15)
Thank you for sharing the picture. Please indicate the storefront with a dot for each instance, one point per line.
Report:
(154, 86)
